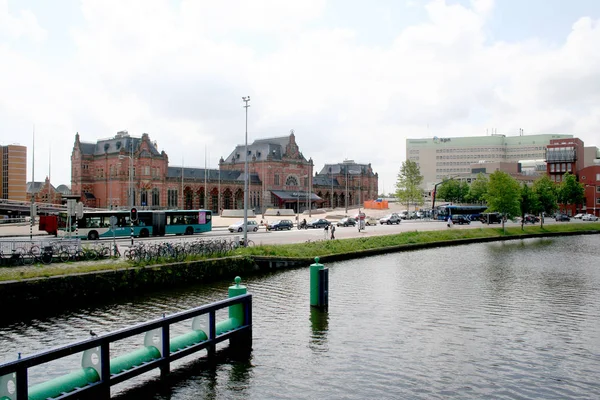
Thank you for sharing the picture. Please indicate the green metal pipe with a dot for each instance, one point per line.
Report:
(63, 384)
(67, 383)
(127, 361)
(186, 340)
(227, 325)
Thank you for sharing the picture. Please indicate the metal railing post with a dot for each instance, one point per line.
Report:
(22, 384)
(105, 369)
(165, 368)
(212, 333)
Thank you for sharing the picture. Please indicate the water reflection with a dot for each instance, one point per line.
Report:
(517, 319)
(319, 323)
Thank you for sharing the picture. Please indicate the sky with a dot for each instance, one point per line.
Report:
(353, 79)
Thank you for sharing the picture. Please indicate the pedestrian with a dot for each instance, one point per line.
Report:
(450, 221)
(325, 231)
(332, 232)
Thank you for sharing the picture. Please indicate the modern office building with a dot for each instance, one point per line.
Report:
(14, 171)
(562, 156)
(443, 157)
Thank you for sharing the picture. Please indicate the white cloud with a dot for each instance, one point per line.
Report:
(24, 24)
(178, 72)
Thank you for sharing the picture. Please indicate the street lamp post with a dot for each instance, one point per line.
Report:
(346, 197)
(246, 100)
(331, 195)
(130, 201)
(264, 187)
(131, 176)
(129, 194)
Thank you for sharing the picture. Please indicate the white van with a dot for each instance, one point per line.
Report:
(404, 214)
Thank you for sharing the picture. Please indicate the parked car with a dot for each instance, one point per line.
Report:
(280, 225)
(491, 218)
(318, 223)
(460, 219)
(389, 219)
(370, 221)
(348, 221)
(531, 219)
(589, 217)
(579, 216)
(562, 217)
(239, 226)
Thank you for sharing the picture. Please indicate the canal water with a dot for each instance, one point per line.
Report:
(510, 320)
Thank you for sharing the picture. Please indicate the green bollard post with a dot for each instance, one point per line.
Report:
(237, 311)
(314, 282)
(241, 344)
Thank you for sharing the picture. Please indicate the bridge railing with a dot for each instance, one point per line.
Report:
(99, 372)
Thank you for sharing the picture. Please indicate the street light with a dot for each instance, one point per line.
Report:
(130, 193)
(298, 197)
(130, 187)
(435, 189)
(309, 188)
(264, 187)
(331, 195)
(346, 197)
(246, 100)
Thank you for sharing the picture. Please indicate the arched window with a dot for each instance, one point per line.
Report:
(291, 181)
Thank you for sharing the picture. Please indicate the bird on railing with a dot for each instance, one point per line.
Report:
(92, 333)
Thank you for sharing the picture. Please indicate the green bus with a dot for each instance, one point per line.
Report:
(96, 224)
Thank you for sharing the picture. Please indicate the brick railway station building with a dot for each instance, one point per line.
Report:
(280, 176)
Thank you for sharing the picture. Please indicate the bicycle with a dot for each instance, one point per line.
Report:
(15, 258)
(249, 243)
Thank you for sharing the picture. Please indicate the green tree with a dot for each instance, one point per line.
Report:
(546, 192)
(503, 195)
(529, 203)
(478, 189)
(449, 190)
(570, 191)
(463, 192)
(408, 185)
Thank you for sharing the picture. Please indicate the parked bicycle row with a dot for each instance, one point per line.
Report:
(170, 251)
(54, 251)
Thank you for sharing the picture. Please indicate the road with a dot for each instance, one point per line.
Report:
(301, 236)
(294, 235)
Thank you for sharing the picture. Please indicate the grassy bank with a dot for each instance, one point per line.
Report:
(332, 247)
(313, 249)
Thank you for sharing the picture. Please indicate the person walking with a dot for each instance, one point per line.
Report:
(450, 223)
(325, 231)
(332, 231)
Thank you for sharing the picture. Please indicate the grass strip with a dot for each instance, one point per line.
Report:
(313, 249)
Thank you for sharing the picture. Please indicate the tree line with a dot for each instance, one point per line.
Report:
(500, 192)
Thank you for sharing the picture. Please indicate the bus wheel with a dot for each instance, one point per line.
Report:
(93, 235)
(189, 230)
(144, 233)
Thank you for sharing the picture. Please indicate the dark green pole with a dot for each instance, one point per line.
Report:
(314, 282)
